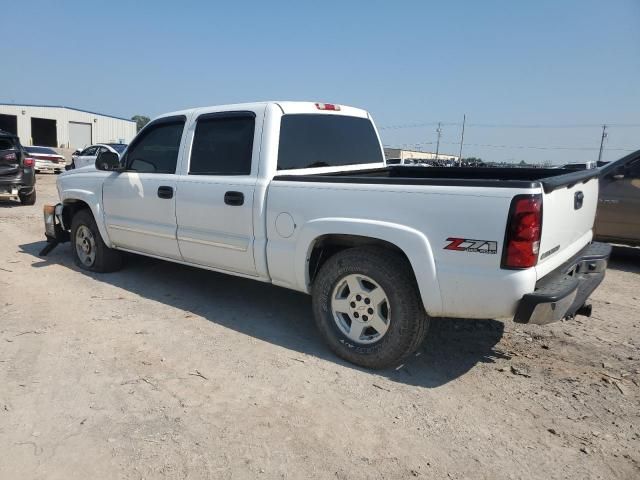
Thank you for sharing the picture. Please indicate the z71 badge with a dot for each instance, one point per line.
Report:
(474, 246)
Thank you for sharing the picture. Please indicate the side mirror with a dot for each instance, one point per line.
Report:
(108, 162)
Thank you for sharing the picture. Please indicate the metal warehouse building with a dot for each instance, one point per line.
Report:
(398, 155)
(63, 127)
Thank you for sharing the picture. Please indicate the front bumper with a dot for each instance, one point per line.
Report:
(54, 228)
(562, 293)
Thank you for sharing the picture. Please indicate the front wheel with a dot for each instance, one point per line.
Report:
(89, 250)
(367, 307)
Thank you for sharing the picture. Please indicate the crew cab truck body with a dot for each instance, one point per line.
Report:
(298, 194)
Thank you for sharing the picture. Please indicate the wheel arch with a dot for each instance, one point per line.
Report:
(84, 200)
(319, 239)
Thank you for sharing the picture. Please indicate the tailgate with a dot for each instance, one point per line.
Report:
(568, 214)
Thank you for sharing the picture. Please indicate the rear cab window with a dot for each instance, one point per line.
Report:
(310, 140)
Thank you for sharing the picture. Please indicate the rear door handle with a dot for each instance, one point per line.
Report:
(235, 199)
(165, 192)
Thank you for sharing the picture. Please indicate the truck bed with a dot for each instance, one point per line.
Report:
(549, 179)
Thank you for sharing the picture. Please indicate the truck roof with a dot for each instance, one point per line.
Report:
(287, 107)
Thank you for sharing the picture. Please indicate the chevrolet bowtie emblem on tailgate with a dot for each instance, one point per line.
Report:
(470, 245)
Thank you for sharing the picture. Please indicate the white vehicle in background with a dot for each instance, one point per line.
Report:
(83, 158)
(46, 159)
(298, 194)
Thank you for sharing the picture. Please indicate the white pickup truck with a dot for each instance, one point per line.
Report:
(298, 194)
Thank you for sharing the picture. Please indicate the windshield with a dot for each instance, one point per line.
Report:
(313, 140)
(118, 147)
(44, 150)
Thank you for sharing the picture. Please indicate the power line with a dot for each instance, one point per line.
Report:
(508, 125)
(534, 147)
(416, 125)
(584, 125)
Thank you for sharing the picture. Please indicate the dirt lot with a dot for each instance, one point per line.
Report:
(164, 371)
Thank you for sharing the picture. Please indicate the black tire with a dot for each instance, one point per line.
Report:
(28, 198)
(106, 259)
(408, 322)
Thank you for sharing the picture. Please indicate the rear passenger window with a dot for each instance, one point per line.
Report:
(222, 144)
(156, 151)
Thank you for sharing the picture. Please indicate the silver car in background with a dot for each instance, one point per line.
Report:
(88, 156)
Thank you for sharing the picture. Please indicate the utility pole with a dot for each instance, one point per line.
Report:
(604, 135)
(439, 130)
(464, 120)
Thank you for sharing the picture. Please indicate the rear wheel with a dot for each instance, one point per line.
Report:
(88, 249)
(28, 198)
(367, 307)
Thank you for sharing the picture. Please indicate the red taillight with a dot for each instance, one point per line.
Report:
(524, 227)
(328, 106)
(28, 162)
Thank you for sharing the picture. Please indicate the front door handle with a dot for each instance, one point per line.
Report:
(165, 192)
(235, 199)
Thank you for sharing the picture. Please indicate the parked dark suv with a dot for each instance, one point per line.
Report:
(17, 173)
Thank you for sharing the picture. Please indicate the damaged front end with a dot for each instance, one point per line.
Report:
(54, 228)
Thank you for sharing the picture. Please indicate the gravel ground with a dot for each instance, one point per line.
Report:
(165, 371)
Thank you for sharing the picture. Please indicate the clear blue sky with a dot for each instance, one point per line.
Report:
(501, 62)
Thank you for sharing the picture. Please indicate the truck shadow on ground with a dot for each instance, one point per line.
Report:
(283, 317)
(626, 259)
